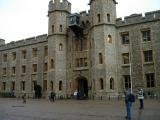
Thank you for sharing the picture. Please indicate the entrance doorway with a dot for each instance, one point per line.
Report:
(82, 87)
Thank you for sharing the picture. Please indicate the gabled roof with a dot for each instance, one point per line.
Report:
(113, 1)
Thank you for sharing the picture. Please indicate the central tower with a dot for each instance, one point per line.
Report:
(103, 51)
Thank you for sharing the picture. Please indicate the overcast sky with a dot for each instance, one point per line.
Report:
(20, 19)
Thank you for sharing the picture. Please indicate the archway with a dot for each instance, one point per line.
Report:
(82, 87)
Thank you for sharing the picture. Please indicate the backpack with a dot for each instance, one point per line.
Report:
(132, 98)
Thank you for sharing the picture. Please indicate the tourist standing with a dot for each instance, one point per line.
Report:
(141, 97)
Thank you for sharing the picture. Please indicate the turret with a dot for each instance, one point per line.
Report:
(103, 11)
(57, 13)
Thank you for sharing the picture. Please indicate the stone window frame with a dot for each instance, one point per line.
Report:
(22, 85)
(24, 54)
(5, 57)
(34, 68)
(125, 38)
(34, 52)
(125, 58)
(52, 64)
(13, 56)
(45, 67)
(101, 82)
(111, 83)
(100, 58)
(98, 17)
(60, 85)
(148, 56)
(13, 70)
(109, 39)
(108, 17)
(46, 50)
(4, 71)
(4, 86)
(23, 69)
(150, 80)
(45, 85)
(127, 81)
(146, 34)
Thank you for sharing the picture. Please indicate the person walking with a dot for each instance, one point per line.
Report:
(129, 99)
(141, 97)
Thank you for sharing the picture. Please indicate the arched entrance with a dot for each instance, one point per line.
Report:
(82, 87)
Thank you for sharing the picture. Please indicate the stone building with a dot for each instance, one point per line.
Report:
(95, 53)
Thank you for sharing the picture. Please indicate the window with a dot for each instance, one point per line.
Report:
(22, 85)
(77, 62)
(85, 62)
(101, 84)
(125, 38)
(60, 85)
(127, 81)
(99, 18)
(34, 83)
(24, 53)
(51, 85)
(52, 63)
(108, 18)
(4, 86)
(44, 85)
(13, 70)
(14, 56)
(45, 51)
(34, 67)
(81, 62)
(45, 67)
(148, 56)
(23, 69)
(60, 28)
(146, 35)
(52, 29)
(112, 84)
(5, 57)
(34, 52)
(60, 47)
(13, 86)
(4, 71)
(109, 39)
(150, 79)
(125, 57)
(100, 58)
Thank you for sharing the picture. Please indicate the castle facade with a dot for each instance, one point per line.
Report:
(95, 53)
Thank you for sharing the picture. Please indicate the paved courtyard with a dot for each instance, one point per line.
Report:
(14, 109)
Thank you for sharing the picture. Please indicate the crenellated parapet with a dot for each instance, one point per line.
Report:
(138, 18)
(57, 5)
(24, 42)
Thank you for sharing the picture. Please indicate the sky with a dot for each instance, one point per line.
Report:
(21, 19)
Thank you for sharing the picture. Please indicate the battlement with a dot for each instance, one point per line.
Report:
(57, 5)
(138, 18)
(24, 42)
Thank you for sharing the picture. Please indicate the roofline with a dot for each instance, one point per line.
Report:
(93, 0)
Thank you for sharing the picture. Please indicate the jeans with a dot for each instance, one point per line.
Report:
(129, 105)
(141, 103)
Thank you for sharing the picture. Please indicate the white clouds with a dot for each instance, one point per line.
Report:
(20, 19)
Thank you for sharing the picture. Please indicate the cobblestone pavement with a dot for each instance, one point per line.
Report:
(14, 109)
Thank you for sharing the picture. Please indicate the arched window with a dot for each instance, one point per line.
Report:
(60, 28)
(100, 58)
(101, 84)
(99, 18)
(112, 83)
(109, 39)
(108, 18)
(60, 47)
(60, 85)
(52, 64)
(52, 29)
